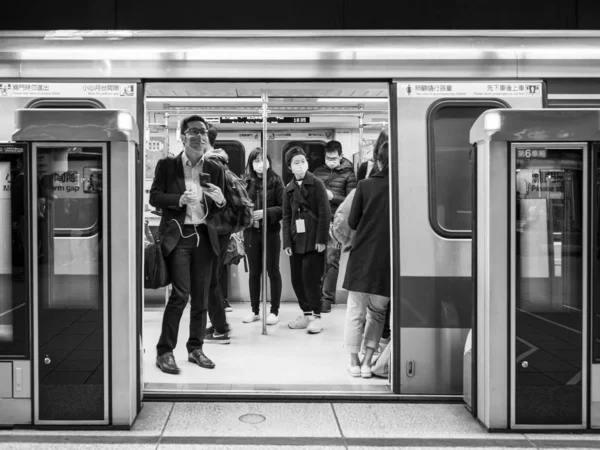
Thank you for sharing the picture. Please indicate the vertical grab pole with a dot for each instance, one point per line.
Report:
(167, 146)
(361, 118)
(263, 291)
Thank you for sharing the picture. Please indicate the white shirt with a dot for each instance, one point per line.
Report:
(194, 214)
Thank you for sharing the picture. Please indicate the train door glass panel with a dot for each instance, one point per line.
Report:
(71, 310)
(14, 292)
(449, 172)
(549, 286)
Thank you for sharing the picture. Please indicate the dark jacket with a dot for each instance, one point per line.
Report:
(222, 220)
(368, 268)
(274, 207)
(168, 187)
(340, 181)
(308, 202)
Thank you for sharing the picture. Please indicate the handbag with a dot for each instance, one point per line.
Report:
(236, 251)
(156, 273)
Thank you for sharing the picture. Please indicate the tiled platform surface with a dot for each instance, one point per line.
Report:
(214, 425)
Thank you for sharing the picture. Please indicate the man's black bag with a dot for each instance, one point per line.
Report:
(156, 274)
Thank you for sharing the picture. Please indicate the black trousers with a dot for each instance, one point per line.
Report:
(307, 270)
(216, 308)
(253, 243)
(190, 266)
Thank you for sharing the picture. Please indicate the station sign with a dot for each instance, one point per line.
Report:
(78, 90)
(454, 89)
(257, 119)
(324, 135)
(531, 153)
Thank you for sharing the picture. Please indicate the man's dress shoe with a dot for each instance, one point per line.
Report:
(166, 363)
(197, 356)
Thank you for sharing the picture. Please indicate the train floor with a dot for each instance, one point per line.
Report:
(282, 360)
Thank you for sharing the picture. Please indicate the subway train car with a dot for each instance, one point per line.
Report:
(285, 89)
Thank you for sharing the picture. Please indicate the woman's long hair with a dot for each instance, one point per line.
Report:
(272, 177)
(381, 139)
(250, 169)
(383, 158)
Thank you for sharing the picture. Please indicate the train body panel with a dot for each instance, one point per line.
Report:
(434, 178)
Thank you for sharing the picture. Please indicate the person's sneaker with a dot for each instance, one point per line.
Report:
(217, 338)
(251, 318)
(227, 306)
(209, 330)
(315, 326)
(272, 319)
(354, 371)
(365, 372)
(300, 323)
(325, 306)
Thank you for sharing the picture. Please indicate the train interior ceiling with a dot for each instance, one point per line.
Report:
(308, 115)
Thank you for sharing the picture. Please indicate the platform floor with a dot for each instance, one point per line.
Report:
(283, 360)
(245, 426)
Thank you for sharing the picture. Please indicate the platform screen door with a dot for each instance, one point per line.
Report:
(70, 321)
(549, 293)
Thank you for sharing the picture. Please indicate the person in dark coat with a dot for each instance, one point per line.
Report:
(367, 170)
(338, 176)
(253, 237)
(306, 218)
(218, 332)
(368, 270)
(189, 241)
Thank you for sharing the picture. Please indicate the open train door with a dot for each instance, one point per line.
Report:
(434, 212)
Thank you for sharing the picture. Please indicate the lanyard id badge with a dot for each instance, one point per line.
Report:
(300, 227)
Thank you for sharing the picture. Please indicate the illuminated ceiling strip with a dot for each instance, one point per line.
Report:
(204, 99)
(352, 99)
(258, 99)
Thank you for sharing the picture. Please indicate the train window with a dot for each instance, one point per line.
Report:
(236, 152)
(315, 151)
(65, 103)
(450, 183)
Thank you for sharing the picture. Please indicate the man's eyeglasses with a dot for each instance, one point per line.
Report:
(335, 158)
(196, 131)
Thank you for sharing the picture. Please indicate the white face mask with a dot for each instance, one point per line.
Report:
(332, 164)
(259, 167)
(299, 169)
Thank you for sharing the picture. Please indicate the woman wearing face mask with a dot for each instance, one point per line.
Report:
(253, 237)
(368, 271)
(306, 217)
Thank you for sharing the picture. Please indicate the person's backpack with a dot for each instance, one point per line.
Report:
(240, 209)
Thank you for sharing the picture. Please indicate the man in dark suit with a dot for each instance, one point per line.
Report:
(190, 243)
